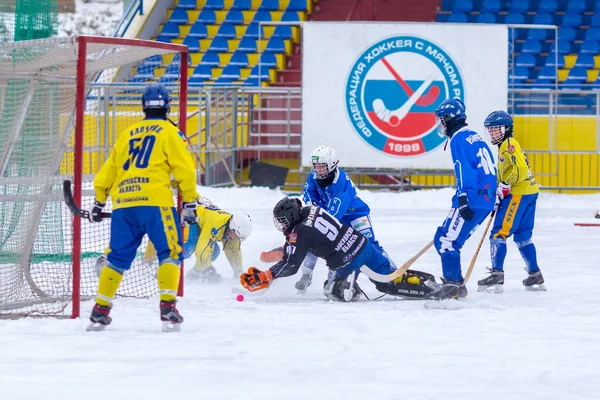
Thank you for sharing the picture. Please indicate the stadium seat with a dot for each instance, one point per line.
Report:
(519, 74)
(571, 20)
(537, 34)
(224, 81)
(547, 6)
(543, 19)
(547, 72)
(577, 75)
(227, 31)
(566, 34)
(532, 46)
(576, 6)
(519, 6)
(596, 8)
(268, 59)
(590, 46)
(552, 60)
(170, 29)
(592, 34)
(252, 82)
(231, 72)
(179, 16)
(463, 6)
(172, 71)
(585, 60)
(235, 17)
(288, 16)
(491, 6)
(283, 32)
(163, 39)
(276, 45)
(297, 5)
(514, 19)
(219, 45)
(265, 16)
(595, 22)
(192, 43)
(187, 4)
(269, 5)
(155, 60)
(255, 30)
(213, 4)
(198, 30)
(248, 45)
(260, 72)
(458, 18)
(525, 60)
(145, 71)
(177, 58)
(211, 59)
(208, 17)
(195, 80)
(564, 47)
(242, 5)
(203, 71)
(239, 59)
(486, 18)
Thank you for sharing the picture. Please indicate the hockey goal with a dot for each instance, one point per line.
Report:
(63, 101)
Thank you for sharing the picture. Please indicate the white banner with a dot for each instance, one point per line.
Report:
(370, 89)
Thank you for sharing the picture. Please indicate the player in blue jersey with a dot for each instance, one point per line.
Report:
(475, 194)
(328, 187)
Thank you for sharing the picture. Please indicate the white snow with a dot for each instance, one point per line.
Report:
(514, 345)
(91, 17)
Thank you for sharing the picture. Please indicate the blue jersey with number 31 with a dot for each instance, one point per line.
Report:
(474, 169)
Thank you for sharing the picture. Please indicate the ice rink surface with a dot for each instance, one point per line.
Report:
(514, 345)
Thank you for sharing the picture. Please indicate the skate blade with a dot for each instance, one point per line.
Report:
(168, 326)
(490, 289)
(536, 288)
(348, 294)
(95, 327)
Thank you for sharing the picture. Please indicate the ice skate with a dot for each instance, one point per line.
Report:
(170, 317)
(304, 282)
(99, 319)
(493, 283)
(345, 290)
(535, 282)
(209, 275)
(450, 290)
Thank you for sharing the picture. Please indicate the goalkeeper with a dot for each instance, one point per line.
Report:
(136, 176)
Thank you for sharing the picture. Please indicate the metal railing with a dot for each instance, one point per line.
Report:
(135, 7)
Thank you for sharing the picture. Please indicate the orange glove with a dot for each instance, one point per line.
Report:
(272, 256)
(255, 279)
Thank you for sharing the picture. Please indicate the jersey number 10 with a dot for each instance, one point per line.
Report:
(139, 153)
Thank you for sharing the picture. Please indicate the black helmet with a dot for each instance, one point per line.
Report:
(287, 213)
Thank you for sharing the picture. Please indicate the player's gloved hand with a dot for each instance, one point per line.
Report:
(188, 213)
(255, 279)
(272, 256)
(463, 208)
(503, 190)
(95, 211)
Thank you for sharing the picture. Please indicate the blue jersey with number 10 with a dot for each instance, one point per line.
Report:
(474, 169)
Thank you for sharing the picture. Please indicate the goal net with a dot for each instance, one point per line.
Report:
(63, 102)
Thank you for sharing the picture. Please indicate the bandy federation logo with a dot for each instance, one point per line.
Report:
(393, 90)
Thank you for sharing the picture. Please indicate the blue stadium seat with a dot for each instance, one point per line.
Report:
(203, 71)
(463, 6)
(519, 6)
(552, 60)
(543, 19)
(441, 18)
(230, 72)
(227, 31)
(198, 30)
(210, 58)
(514, 19)
(192, 43)
(145, 71)
(566, 34)
(172, 72)
(213, 4)
(163, 39)
(593, 34)
(242, 5)
(532, 46)
(219, 45)
(224, 81)
(519, 74)
(486, 18)
(177, 58)
(491, 6)
(268, 59)
(577, 6)
(596, 8)
(547, 6)
(595, 20)
(458, 18)
(195, 81)
(235, 17)
(265, 16)
(170, 29)
(252, 82)
(276, 45)
(547, 72)
(187, 4)
(255, 30)
(537, 34)
(571, 20)
(239, 59)
(207, 16)
(283, 32)
(585, 60)
(288, 16)
(297, 5)
(269, 5)
(154, 60)
(525, 60)
(179, 16)
(248, 45)
(564, 47)
(263, 74)
(577, 75)
(590, 46)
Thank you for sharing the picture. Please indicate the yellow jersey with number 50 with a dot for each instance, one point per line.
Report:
(139, 168)
(513, 168)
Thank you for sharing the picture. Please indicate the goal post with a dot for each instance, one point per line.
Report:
(63, 102)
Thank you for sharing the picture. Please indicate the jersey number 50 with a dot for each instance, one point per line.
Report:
(139, 153)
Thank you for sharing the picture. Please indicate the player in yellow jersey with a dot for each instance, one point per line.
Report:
(216, 225)
(517, 193)
(136, 176)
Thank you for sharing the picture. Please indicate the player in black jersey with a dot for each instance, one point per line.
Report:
(344, 249)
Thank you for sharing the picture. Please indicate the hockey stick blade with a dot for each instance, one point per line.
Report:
(597, 214)
(74, 208)
(383, 278)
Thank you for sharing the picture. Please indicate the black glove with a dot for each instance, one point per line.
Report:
(97, 208)
(463, 208)
(188, 213)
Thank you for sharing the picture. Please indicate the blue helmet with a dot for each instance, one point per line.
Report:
(156, 97)
(450, 112)
(504, 123)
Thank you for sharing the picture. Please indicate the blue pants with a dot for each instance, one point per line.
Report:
(189, 247)
(369, 256)
(128, 227)
(515, 216)
(450, 238)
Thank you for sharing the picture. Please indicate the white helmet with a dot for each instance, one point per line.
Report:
(241, 224)
(324, 155)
